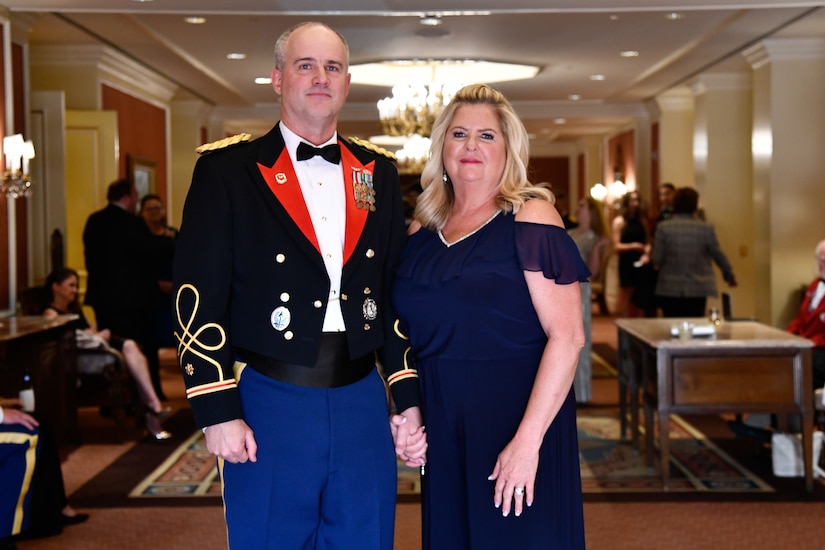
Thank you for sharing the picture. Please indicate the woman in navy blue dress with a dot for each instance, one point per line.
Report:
(487, 291)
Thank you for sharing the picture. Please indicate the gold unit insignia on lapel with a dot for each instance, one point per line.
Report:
(363, 189)
(280, 178)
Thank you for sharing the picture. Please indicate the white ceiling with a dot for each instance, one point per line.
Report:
(569, 39)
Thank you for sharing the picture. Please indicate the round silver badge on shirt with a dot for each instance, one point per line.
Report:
(280, 318)
(369, 309)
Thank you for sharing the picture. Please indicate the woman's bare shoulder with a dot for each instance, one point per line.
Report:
(539, 211)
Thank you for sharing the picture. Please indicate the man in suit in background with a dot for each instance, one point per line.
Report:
(810, 321)
(282, 275)
(122, 272)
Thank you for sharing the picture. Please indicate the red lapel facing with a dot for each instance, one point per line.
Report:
(283, 183)
(356, 217)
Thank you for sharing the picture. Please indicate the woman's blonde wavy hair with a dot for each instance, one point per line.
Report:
(434, 203)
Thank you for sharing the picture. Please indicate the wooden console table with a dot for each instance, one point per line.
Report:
(47, 349)
(746, 367)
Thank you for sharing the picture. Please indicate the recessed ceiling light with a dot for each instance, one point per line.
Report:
(614, 17)
(430, 20)
(629, 53)
(596, 77)
(236, 55)
(141, 1)
(674, 15)
(560, 120)
(574, 97)
(195, 20)
(263, 80)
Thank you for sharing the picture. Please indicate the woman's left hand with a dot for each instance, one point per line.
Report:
(515, 475)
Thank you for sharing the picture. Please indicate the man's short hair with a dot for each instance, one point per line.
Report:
(119, 189)
(685, 201)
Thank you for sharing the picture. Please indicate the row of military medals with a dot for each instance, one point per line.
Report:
(363, 190)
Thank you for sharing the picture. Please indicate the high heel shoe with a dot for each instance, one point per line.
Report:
(153, 420)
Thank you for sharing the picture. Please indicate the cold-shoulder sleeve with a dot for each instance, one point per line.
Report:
(549, 249)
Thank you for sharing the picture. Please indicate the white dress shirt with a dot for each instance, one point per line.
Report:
(322, 185)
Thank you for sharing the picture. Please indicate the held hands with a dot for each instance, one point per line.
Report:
(409, 437)
(515, 475)
(232, 441)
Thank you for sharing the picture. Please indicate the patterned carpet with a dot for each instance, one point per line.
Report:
(696, 463)
(607, 465)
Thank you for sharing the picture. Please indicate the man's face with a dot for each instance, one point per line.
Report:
(666, 196)
(314, 82)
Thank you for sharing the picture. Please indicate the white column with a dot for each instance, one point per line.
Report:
(722, 170)
(788, 141)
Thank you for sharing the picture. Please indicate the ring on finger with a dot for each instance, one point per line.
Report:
(519, 490)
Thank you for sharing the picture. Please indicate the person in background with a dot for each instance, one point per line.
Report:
(488, 291)
(282, 273)
(163, 238)
(810, 320)
(630, 242)
(684, 250)
(61, 285)
(562, 204)
(123, 272)
(591, 238)
(666, 192)
(33, 499)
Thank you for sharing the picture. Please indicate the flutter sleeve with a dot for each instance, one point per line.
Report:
(549, 249)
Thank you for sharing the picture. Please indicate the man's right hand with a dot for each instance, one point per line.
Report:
(232, 441)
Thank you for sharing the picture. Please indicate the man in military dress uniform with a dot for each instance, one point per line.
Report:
(282, 278)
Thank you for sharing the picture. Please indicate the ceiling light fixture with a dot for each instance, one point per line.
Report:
(263, 80)
(673, 16)
(629, 53)
(430, 20)
(421, 88)
(236, 56)
(597, 77)
(195, 20)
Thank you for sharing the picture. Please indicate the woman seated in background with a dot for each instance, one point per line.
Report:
(591, 238)
(63, 283)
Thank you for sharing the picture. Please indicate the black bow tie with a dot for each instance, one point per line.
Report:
(331, 152)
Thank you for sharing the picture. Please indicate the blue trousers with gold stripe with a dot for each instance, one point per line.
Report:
(18, 457)
(325, 478)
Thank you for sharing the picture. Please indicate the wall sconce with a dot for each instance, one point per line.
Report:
(16, 181)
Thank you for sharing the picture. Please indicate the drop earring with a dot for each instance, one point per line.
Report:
(444, 176)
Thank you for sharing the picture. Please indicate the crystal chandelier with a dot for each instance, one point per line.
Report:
(16, 180)
(412, 157)
(412, 108)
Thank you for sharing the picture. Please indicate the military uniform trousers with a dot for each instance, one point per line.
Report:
(325, 476)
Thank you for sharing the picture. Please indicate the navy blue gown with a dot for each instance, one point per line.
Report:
(477, 342)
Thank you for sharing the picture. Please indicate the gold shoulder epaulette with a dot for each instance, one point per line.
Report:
(369, 146)
(222, 143)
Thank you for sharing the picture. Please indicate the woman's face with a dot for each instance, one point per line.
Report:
(474, 149)
(583, 213)
(633, 202)
(153, 211)
(66, 290)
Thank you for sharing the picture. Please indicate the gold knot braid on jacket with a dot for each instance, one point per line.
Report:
(248, 273)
